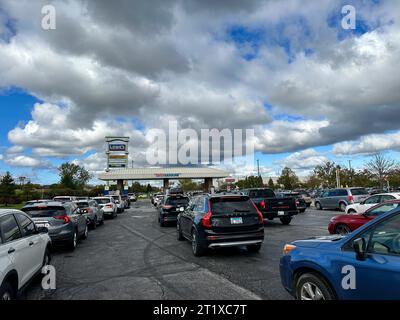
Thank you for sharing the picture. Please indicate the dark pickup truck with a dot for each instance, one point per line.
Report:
(271, 206)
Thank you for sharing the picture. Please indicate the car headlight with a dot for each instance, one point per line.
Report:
(288, 248)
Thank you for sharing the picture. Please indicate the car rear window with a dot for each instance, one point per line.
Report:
(102, 201)
(231, 204)
(82, 204)
(264, 193)
(177, 201)
(36, 212)
(358, 192)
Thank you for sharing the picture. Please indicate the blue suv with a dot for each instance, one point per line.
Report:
(364, 265)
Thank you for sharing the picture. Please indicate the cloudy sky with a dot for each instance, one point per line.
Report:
(311, 90)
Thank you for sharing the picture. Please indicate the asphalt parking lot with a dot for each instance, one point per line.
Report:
(131, 257)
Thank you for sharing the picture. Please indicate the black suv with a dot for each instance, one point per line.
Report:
(221, 220)
(170, 208)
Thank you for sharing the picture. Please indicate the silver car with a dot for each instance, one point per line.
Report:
(340, 198)
(64, 221)
(92, 211)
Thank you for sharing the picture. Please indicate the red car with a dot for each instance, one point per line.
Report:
(347, 223)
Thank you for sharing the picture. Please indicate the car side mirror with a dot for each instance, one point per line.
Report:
(42, 230)
(362, 202)
(360, 248)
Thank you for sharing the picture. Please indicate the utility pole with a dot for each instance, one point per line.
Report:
(351, 174)
(338, 177)
(258, 167)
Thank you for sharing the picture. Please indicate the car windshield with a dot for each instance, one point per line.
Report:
(102, 200)
(82, 204)
(231, 204)
(359, 192)
(36, 212)
(262, 193)
(383, 209)
(177, 201)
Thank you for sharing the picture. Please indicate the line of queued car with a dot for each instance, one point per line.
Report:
(359, 263)
(28, 235)
(226, 219)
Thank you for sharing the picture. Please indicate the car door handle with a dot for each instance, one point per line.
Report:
(31, 243)
(11, 250)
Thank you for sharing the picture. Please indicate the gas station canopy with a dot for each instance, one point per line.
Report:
(163, 173)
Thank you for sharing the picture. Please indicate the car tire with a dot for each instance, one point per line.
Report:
(179, 235)
(318, 206)
(197, 248)
(286, 220)
(342, 206)
(94, 223)
(101, 222)
(311, 286)
(7, 292)
(302, 210)
(47, 257)
(74, 241)
(342, 229)
(85, 233)
(254, 247)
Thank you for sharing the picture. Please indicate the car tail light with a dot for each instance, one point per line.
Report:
(260, 216)
(206, 221)
(65, 218)
(350, 198)
(262, 204)
(297, 203)
(109, 206)
(166, 206)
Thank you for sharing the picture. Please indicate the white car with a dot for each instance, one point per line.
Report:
(64, 198)
(119, 202)
(107, 204)
(370, 202)
(24, 250)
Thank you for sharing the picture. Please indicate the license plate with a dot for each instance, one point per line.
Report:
(238, 220)
(281, 213)
(42, 225)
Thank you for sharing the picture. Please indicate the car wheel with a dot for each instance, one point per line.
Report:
(253, 247)
(342, 206)
(179, 235)
(286, 220)
(46, 258)
(303, 210)
(162, 223)
(94, 223)
(101, 221)
(313, 287)
(197, 248)
(74, 242)
(86, 233)
(318, 206)
(7, 292)
(342, 229)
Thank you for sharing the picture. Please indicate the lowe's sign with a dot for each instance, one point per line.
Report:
(117, 147)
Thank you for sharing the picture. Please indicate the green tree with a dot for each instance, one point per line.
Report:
(250, 182)
(288, 179)
(327, 174)
(189, 185)
(271, 183)
(73, 176)
(7, 188)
